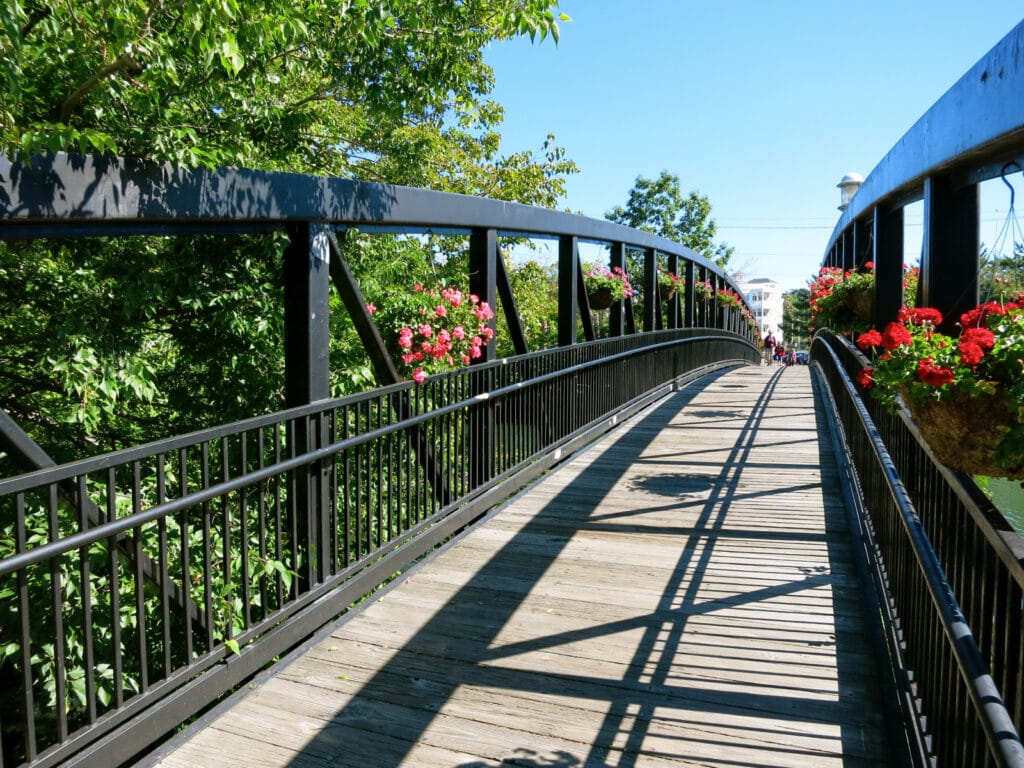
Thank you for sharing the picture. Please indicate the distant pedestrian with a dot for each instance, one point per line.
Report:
(791, 359)
(769, 347)
(780, 353)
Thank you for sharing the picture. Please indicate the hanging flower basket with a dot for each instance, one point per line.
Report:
(666, 292)
(963, 431)
(843, 300)
(861, 302)
(602, 298)
(605, 286)
(965, 393)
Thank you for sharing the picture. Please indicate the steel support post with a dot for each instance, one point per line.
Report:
(616, 313)
(568, 267)
(673, 302)
(716, 316)
(650, 289)
(949, 258)
(887, 253)
(306, 315)
(483, 270)
(702, 304)
(483, 256)
(689, 297)
(307, 379)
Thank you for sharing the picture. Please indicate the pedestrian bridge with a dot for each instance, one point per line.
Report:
(683, 591)
(639, 547)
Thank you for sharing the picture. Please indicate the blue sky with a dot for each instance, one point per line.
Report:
(762, 107)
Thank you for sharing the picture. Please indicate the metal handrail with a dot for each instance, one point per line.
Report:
(120, 526)
(950, 138)
(101, 196)
(873, 463)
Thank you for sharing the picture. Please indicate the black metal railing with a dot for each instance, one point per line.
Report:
(143, 584)
(951, 572)
(951, 565)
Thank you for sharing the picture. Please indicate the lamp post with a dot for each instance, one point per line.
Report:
(848, 188)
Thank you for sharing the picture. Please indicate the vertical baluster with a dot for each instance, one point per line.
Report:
(243, 531)
(85, 592)
(165, 586)
(59, 640)
(280, 486)
(25, 638)
(186, 555)
(347, 485)
(261, 520)
(138, 554)
(334, 507)
(383, 525)
(227, 595)
(116, 648)
(208, 597)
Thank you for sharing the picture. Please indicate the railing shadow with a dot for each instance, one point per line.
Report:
(651, 681)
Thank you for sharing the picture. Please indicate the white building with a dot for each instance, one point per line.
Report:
(765, 299)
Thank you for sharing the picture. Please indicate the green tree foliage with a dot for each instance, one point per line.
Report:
(97, 356)
(796, 318)
(323, 86)
(535, 287)
(107, 342)
(659, 206)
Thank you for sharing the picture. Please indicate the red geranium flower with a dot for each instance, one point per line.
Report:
(933, 374)
(920, 315)
(896, 335)
(971, 353)
(864, 378)
(983, 337)
(869, 339)
(978, 317)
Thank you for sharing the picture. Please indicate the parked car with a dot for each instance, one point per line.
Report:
(803, 357)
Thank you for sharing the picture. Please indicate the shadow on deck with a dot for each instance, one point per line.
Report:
(683, 592)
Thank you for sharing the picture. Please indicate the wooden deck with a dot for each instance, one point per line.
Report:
(682, 593)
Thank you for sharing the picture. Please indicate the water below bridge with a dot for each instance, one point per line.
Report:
(681, 593)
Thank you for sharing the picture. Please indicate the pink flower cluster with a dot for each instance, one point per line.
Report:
(450, 334)
(614, 279)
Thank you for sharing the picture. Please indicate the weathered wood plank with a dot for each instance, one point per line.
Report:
(683, 593)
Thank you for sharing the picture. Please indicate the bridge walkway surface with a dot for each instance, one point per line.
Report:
(683, 592)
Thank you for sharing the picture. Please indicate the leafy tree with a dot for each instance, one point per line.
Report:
(659, 206)
(323, 86)
(535, 288)
(796, 318)
(96, 356)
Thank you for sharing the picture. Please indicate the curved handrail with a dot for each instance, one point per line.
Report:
(890, 507)
(1006, 543)
(69, 191)
(75, 541)
(950, 137)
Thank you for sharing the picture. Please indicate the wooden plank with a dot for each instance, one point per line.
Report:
(682, 593)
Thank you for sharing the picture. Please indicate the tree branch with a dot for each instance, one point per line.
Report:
(120, 64)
